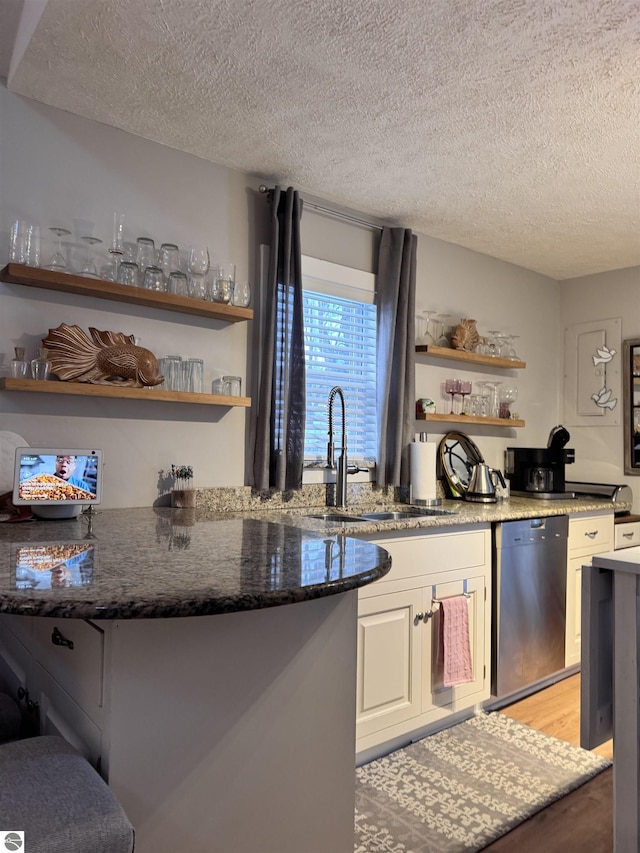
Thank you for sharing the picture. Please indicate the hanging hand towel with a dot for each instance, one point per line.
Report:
(455, 645)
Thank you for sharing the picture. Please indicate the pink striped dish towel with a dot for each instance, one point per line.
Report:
(454, 643)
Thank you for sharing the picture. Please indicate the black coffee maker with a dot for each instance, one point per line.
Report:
(538, 472)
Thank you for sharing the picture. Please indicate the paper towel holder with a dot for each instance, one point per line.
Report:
(426, 502)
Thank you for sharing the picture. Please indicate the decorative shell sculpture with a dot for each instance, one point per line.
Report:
(105, 358)
(465, 335)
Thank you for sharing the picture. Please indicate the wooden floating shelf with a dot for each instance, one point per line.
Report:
(85, 389)
(115, 292)
(472, 419)
(469, 357)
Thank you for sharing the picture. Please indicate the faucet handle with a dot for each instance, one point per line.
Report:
(355, 469)
(331, 455)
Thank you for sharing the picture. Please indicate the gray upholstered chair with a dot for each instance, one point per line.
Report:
(54, 795)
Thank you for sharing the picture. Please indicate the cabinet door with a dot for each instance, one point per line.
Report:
(389, 660)
(573, 636)
(60, 715)
(435, 695)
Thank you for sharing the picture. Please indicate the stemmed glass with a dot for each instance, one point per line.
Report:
(493, 392)
(425, 338)
(507, 396)
(465, 388)
(441, 338)
(58, 261)
(510, 347)
(452, 387)
(89, 269)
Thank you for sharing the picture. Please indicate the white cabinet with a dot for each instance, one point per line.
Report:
(589, 534)
(399, 683)
(627, 534)
(54, 668)
(197, 722)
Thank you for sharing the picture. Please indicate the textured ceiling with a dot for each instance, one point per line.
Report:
(511, 127)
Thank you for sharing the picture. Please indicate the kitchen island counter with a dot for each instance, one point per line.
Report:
(160, 563)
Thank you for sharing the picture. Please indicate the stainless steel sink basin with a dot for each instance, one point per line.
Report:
(402, 515)
(336, 518)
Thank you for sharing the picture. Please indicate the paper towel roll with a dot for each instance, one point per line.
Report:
(423, 471)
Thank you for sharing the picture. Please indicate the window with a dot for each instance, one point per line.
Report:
(340, 349)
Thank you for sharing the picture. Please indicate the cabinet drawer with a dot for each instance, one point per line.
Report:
(592, 534)
(627, 535)
(417, 556)
(78, 670)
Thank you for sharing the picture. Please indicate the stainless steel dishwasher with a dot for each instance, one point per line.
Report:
(529, 602)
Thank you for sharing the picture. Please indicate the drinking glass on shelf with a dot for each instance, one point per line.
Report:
(224, 276)
(232, 386)
(452, 387)
(424, 336)
(172, 371)
(192, 369)
(241, 296)
(494, 405)
(198, 261)
(154, 279)
(443, 338)
(89, 270)
(510, 348)
(483, 399)
(197, 286)
(58, 260)
(169, 259)
(493, 344)
(145, 253)
(24, 243)
(177, 283)
(507, 395)
(465, 390)
(128, 273)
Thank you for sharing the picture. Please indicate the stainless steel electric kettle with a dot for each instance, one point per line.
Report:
(482, 489)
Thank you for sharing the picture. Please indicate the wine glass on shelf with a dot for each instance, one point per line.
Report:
(442, 339)
(493, 398)
(425, 338)
(465, 389)
(452, 387)
(510, 347)
(507, 396)
(89, 269)
(58, 260)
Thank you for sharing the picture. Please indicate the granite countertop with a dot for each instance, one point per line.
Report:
(152, 563)
(448, 514)
(162, 562)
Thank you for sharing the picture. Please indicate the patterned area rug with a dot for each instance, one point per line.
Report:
(462, 788)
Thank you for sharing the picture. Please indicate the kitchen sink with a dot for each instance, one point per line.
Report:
(402, 515)
(336, 518)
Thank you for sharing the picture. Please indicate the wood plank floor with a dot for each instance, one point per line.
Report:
(581, 821)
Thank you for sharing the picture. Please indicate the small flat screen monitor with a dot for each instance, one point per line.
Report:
(57, 482)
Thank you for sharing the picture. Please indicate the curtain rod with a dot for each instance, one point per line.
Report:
(329, 211)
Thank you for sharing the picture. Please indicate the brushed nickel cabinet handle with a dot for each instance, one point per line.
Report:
(59, 639)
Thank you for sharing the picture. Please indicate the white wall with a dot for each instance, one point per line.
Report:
(600, 449)
(58, 168)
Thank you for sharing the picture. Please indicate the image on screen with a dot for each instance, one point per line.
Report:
(54, 565)
(53, 476)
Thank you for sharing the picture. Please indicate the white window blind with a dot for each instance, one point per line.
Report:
(340, 349)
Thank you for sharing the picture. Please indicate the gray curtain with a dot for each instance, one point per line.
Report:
(279, 448)
(396, 289)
